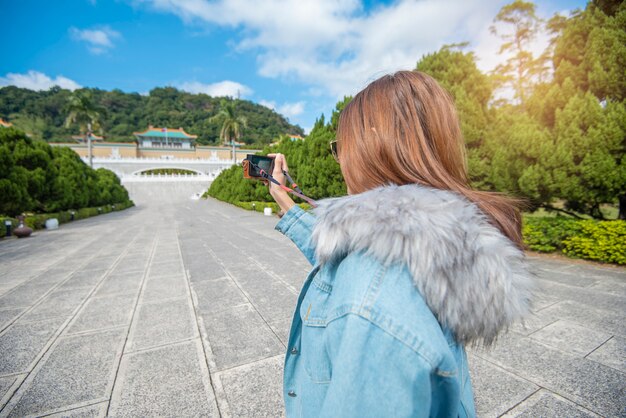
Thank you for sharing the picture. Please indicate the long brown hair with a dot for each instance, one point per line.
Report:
(403, 129)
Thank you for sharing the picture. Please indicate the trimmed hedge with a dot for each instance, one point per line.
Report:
(603, 241)
(38, 221)
(259, 206)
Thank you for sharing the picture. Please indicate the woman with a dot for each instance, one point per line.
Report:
(409, 268)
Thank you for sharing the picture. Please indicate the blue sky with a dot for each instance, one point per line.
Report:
(296, 56)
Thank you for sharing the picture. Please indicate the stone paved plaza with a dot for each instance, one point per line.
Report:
(181, 308)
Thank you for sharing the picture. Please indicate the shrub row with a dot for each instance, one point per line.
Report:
(259, 206)
(38, 221)
(603, 241)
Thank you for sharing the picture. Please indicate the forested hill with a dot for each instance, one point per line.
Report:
(42, 114)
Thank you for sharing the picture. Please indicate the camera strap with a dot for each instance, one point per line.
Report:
(296, 192)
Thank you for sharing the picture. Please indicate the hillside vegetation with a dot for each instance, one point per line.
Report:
(42, 114)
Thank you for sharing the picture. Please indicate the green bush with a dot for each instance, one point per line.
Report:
(35, 177)
(311, 165)
(547, 234)
(260, 206)
(38, 221)
(603, 241)
(3, 230)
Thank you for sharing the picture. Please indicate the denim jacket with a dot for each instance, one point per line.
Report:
(383, 317)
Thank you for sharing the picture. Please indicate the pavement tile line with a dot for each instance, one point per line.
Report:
(160, 346)
(271, 273)
(40, 300)
(539, 385)
(505, 413)
(60, 412)
(116, 386)
(67, 277)
(19, 379)
(93, 331)
(278, 254)
(604, 364)
(43, 247)
(221, 404)
(247, 296)
(246, 365)
(44, 354)
(530, 402)
(221, 399)
(542, 381)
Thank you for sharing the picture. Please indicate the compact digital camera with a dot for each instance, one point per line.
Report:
(253, 164)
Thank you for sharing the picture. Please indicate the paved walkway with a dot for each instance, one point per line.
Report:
(182, 308)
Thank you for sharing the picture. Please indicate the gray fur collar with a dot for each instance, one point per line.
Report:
(472, 277)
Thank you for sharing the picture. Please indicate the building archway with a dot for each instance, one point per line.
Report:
(175, 171)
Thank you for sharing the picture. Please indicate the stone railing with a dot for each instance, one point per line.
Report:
(166, 178)
(147, 160)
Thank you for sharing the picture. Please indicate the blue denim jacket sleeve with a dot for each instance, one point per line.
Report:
(374, 374)
(297, 225)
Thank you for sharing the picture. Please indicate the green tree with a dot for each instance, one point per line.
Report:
(232, 124)
(519, 147)
(591, 51)
(589, 159)
(521, 69)
(82, 110)
(37, 177)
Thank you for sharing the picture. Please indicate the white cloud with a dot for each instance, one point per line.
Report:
(291, 109)
(99, 40)
(220, 89)
(34, 80)
(286, 109)
(268, 104)
(337, 46)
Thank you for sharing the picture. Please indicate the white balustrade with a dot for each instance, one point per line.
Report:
(147, 160)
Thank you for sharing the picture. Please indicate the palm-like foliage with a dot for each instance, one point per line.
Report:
(232, 124)
(82, 110)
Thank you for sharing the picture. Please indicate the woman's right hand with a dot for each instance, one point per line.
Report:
(280, 196)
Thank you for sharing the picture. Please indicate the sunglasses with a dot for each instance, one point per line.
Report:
(333, 149)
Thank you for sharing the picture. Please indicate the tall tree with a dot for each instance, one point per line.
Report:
(517, 24)
(82, 110)
(589, 158)
(232, 124)
(591, 51)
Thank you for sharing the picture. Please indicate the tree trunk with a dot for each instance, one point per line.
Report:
(622, 206)
(596, 213)
(89, 145)
(89, 151)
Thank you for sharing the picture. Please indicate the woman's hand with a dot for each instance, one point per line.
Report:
(280, 196)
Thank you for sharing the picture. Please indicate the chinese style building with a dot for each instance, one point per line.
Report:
(165, 138)
(156, 142)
